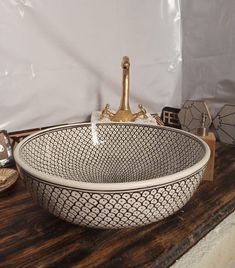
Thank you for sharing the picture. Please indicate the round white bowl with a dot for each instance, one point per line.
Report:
(112, 175)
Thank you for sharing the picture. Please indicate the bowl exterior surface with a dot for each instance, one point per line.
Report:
(112, 209)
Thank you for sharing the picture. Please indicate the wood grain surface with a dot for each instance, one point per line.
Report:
(31, 237)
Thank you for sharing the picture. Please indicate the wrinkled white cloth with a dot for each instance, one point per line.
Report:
(61, 60)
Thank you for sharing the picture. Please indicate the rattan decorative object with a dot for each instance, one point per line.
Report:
(224, 124)
(191, 113)
(8, 177)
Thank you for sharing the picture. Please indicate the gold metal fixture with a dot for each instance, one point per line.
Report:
(202, 130)
(124, 113)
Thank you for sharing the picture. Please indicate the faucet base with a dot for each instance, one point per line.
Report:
(123, 115)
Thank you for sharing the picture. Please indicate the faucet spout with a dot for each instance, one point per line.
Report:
(124, 105)
(124, 113)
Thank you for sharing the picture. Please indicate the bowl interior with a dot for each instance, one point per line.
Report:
(111, 153)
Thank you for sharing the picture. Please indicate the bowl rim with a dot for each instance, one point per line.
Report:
(58, 180)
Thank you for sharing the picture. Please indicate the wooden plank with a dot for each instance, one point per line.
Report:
(31, 237)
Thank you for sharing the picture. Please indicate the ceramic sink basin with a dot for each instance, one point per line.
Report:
(112, 175)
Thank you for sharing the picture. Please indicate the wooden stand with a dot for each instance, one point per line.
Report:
(211, 141)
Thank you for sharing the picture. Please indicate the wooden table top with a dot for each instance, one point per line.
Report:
(31, 237)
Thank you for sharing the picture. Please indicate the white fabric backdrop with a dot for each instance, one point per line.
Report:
(208, 28)
(61, 60)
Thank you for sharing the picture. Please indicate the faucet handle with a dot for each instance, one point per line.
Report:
(107, 113)
(142, 112)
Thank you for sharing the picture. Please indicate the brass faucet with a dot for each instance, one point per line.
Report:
(124, 113)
